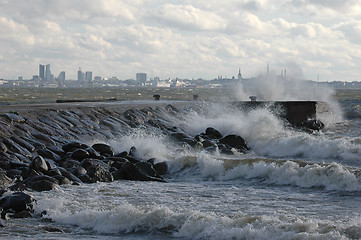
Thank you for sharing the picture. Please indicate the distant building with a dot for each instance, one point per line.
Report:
(141, 78)
(88, 76)
(61, 77)
(20, 78)
(239, 75)
(97, 79)
(48, 73)
(81, 76)
(41, 71)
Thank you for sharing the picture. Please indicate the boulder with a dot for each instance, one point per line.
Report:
(161, 168)
(147, 169)
(80, 154)
(4, 180)
(17, 202)
(41, 183)
(103, 149)
(14, 117)
(39, 164)
(97, 170)
(46, 153)
(74, 145)
(236, 142)
(3, 148)
(212, 133)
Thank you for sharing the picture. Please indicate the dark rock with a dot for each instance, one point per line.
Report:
(11, 145)
(13, 117)
(41, 183)
(62, 180)
(79, 171)
(208, 143)
(80, 154)
(147, 169)
(70, 164)
(19, 186)
(27, 173)
(2, 223)
(103, 149)
(72, 146)
(3, 148)
(17, 202)
(121, 154)
(37, 144)
(212, 133)
(23, 214)
(97, 170)
(58, 151)
(161, 168)
(236, 142)
(39, 164)
(4, 180)
(44, 138)
(130, 172)
(69, 175)
(46, 153)
(93, 153)
(12, 173)
(52, 229)
(53, 172)
(23, 143)
(314, 124)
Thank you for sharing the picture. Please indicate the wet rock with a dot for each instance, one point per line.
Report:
(121, 154)
(314, 124)
(17, 202)
(37, 144)
(14, 147)
(129, 172)
(23, 214)
(4, 180)
(39, 164)
(13, 117)
(23, 143)
(27, 173)
(3, 148)
(80, 154)
(52, 229)
(212, 133)
(97, 170)
(147, 169)
(19, 186)
(46, 153)
(79, 171)
(72, 146)
(41, 183)
(62, 180)
(93, 153)
(69, 175)
(236, 142)
(161, 168)
(70, 164)
(12, 173)
(44, 138)
(103, 149)
(53, 172)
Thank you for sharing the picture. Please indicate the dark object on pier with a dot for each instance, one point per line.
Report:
(253, 98)
(195, 97)
(84, 100)
(295, 112)
(156, 97)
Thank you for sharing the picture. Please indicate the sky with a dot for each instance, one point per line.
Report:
(184, 39)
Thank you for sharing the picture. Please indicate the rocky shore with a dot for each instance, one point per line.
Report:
(44, 147)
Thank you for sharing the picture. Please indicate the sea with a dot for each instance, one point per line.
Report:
(292, 184)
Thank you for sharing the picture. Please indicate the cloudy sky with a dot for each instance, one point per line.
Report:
(185, 39)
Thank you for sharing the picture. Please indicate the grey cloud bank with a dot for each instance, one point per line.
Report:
(185, 39)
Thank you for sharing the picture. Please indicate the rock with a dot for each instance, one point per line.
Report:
(13, 173)
(103, 149)
(97, 170)
(14, 117)
(121, 154)
(236, 142)
(53, 172)
(72, 146)
(14, 147)
(130, 172)
(147, 169)
(23, 143)
(23, 214)
(212, 133)
(44, 138)
(80, 154)
(161, 168)
(2, 223)
(4, 180)
(93, 153)
(52, 229)
(17, 202)
(69, 175)
(70, 164)
(39, 164)
(19, 186)
(3, 148)
(62, 180)
(314, 124)
(79, 171)
(46, 153)
(41, 183)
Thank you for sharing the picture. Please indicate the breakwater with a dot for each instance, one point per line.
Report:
(47, 145)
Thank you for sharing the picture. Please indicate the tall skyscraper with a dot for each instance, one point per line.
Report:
(89, 76)
(81, 76)
(48, 73)
(141, 78)
(61, 77)
(41, 71)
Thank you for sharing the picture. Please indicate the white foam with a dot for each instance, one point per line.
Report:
(191, 224)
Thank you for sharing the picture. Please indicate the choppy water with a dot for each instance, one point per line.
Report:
(291, 185)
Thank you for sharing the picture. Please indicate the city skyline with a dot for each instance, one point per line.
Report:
(186, 39)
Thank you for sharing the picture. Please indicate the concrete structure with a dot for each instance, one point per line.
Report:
(48, 73)
(81, 76)
(88, 76)
(141, 78)
(41, 71)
